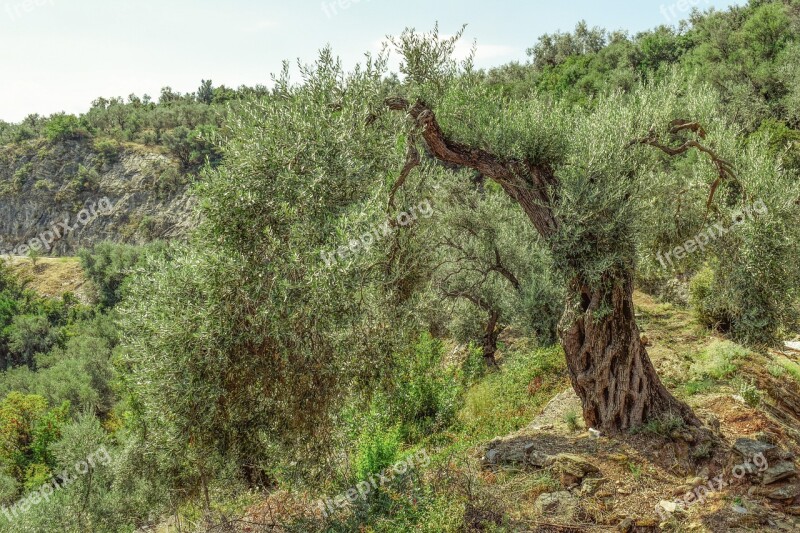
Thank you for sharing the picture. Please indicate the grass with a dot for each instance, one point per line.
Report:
(663, 426)
(719, 361)
(636, 470)
(785, 366)
(571, 420)
(698, 386)
(53, 276)
(503, 401)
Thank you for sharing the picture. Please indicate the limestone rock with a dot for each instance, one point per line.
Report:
(562, 503)
(778, 472)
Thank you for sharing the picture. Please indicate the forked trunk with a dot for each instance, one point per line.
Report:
(608, 364)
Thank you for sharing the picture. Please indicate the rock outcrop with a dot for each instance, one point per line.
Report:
(78, 193)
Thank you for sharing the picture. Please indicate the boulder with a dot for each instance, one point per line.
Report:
(778, 472)
(591, 485)
(572, 468)
(561, 504)
(788, 491)
(748, 448)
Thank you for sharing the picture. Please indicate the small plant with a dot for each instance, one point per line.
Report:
(378, 448)
(703, 451)
(776, 370)
(698, 386)
(663, 426)
(636, 470)
(749, 392)
(34, 256)
(571, 420)
(792, 368)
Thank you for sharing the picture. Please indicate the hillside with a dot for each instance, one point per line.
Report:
(412, 294)
(52, 277)
(548, 474)
(131, 194)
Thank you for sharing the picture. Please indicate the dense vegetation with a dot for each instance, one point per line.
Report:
(184, 124)
(304, 339)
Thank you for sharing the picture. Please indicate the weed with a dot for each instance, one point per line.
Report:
(571, 420)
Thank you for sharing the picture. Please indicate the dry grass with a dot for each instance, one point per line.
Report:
(52, 276)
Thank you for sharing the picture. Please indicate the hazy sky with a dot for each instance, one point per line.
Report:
(59, 55)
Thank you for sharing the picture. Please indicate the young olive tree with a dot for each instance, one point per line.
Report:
(241, 347)
(490, 257)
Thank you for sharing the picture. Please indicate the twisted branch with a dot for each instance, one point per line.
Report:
(725, 170)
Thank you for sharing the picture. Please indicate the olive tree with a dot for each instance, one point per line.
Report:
(489, 256)
(581, 176)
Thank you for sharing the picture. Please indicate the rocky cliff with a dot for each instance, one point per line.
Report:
(60, 197)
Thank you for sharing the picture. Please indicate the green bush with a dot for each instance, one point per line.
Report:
(107, 266)
(108, 150)
(378, 448)
(63, 127)
(423, 394)
(704, 299)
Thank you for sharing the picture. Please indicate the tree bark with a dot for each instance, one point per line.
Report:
(490, 339)
(608, 364)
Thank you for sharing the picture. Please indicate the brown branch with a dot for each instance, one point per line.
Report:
(477, 301)
(525, 182)
(725, 170)
(503, 271)
(677, 126)
(412, 161)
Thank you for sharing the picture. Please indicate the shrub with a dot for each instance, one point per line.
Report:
(107, 266)
(423, 395)
(378, 448)
(29, 335)
(749, 392)
(108, 150)
(63, 127)
(704, 300)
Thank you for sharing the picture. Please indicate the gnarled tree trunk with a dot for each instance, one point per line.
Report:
(608, 364)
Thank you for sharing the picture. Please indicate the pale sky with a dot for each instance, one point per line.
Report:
(59, 55)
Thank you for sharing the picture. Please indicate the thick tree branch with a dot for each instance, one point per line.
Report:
(506, 273)
(529, 184)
